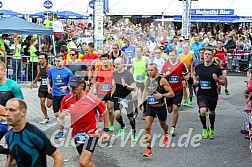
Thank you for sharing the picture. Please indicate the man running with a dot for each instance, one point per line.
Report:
(104, 77)
(187, 57)
(123, 84)
(139, 72)
(58, 77)
(83, 109)
(221, 53)
(173, 70)
(8, 89)
(156, 89)
(27, 144)
(207, 95)
(43, 94)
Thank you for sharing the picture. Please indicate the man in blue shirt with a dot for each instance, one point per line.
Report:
(129, 51)
(57, 83)
(195, 47)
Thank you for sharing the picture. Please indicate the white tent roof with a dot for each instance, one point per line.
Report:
(128, 7)
(174, 7)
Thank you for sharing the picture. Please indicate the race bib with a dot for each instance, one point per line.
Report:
(152, 100)
(140, 77)
(81, 138)
(43, 81)
(173, 79)
(123, 102)
(105, 87)
(205, 84)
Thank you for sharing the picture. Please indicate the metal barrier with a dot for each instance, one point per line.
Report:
(22, 70)
(238, 60)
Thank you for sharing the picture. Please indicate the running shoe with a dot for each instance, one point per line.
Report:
(244, 132)
(147, 153)
(226, 91)
(144, 115)
(45, 121)
(135, 114)
(204, 134)
(111, 128)
(219, 97)
(100, 118)
(59, 135)
(166, 140)
(211, 133)
(134, 137)
(190, 102)
(121, 131)
(172, 132)
(185, 103)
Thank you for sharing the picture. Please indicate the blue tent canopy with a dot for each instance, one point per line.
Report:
(15, 25)
(70, 15)
(8, 13)
(208, 19)
(41, 14)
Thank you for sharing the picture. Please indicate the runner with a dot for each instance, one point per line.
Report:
(221, 53)
(8, 90)
(27, 144)
(187, 57)
(58, 77)
(173, 70)
(139, 72)
(84, 123)
(207, 96)
(129, 51)
(155, 89)
(104, 76)
(75, 65)
(116, 52)
(122, 86)
(43, 94)
(158, 59)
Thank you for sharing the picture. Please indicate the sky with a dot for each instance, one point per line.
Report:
(130, 7)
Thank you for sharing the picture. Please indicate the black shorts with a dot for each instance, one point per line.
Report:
(189, 81)
(160, 112)
(118, 106)
(176, 99)
(140, 85)
(105, 97)
(90, 145)
(43, 93)
(56, 103)
(207, 101)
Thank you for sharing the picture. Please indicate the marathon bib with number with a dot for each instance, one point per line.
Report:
(81, 138)
(44, 81)
(173, 79)
(123, 102)
(205, 84)
(152, 100)
(140, 77)
(105, 87)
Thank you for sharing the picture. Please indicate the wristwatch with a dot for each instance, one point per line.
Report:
(105, 129)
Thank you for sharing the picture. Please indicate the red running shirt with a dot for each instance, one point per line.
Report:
(84, 113)
(104, 79)
(175, 76)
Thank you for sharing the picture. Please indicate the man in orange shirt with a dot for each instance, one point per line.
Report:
(187, 58)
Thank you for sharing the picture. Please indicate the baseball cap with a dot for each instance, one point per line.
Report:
(76, 80)
(74, 38)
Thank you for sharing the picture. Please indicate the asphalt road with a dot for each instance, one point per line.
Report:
(228, 149)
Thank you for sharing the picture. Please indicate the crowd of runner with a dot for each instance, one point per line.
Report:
(150, 73)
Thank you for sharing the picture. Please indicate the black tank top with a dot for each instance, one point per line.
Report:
(119, 55)
(42, 73)
(152, 87)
